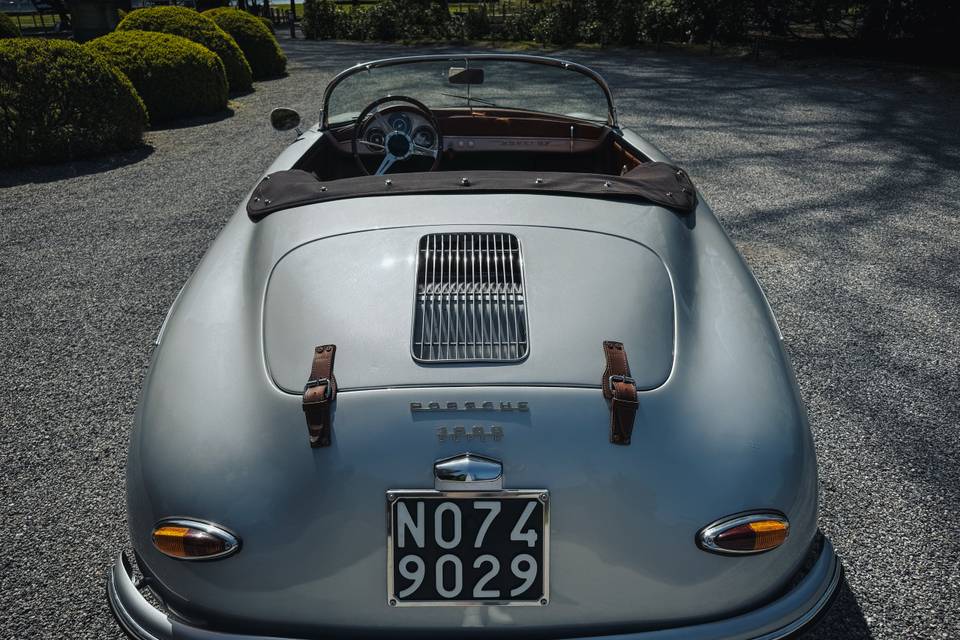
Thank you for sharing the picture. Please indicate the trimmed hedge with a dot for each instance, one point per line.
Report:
(386, 20)
(189, 24)
(8, 28)
(268, 23)
(258, 44)
(59, 101)
(174, 76)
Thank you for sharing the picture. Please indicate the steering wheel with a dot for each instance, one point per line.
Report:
(397, 145)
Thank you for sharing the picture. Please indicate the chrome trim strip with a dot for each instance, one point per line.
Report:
(544, 60)
(825, 599)
(706, 538)
(137, 617)
(215, 530)
(543, 495)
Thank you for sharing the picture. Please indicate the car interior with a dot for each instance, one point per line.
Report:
(473, 139)
(397, 133)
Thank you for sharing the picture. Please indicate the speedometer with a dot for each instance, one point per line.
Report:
(399, 121)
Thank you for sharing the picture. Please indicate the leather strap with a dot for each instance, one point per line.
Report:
(621, 391)
(319, 394)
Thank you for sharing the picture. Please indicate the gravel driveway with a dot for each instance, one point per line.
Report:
(838, 182)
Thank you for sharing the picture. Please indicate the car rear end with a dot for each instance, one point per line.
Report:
(472, 484)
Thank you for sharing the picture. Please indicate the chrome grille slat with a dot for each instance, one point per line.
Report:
(470, 304)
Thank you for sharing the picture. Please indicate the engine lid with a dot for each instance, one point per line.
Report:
(364, 292)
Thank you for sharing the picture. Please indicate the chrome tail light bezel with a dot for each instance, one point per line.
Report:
(230, 539)
(707, 536)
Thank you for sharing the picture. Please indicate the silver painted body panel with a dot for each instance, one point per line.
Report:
(567, 271)
(220, 434)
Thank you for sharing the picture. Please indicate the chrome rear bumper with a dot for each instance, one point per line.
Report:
(784, 617)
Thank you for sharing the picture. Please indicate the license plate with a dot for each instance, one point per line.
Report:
(468, 548)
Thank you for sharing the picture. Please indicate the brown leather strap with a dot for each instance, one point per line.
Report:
(319, 395)
(621, 390)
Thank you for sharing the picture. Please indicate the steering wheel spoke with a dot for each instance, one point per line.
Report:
(388, 161)
(372, 145)
(423, 151)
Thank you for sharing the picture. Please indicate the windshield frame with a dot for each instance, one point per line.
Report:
(469, 57)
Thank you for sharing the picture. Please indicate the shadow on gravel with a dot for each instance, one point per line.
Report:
(844, 620)
(196, 121)
(36, 174)
(859, 159)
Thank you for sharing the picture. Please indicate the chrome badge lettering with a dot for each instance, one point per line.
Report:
(417, 407)
(476, 433)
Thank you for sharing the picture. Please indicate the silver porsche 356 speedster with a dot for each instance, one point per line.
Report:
(471, 359)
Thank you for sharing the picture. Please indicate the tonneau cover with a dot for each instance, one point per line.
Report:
(656, 182)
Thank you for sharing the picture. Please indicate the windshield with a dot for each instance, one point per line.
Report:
(529, 83)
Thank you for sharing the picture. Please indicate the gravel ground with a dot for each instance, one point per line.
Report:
(838, 182)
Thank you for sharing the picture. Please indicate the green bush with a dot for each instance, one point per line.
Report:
(607, 22)
(717, 20)
(317, 21)
(59, 101)
(8, 28)
(395, 20)
(383, 22)
(519, 24)
(181, 21)
(268, 23)
(257, 43)
(659, 20)
(559, 24)
(174, 76)
(351, 25)
(476, 23)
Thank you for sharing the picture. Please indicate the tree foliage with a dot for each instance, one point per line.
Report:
(629, 22)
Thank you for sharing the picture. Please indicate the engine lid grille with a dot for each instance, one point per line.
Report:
(470, 303)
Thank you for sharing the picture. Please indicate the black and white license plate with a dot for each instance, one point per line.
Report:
(467, 548)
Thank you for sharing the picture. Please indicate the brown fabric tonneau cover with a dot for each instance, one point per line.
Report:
(656, 182)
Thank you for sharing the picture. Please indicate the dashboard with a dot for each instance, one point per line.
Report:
(475, 139)
(478, 131)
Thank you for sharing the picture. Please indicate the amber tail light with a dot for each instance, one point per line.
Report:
(186, 539)
(751, 533)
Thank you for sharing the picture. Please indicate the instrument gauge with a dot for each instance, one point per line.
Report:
(399, 122)
(425, 137)
(375, 136)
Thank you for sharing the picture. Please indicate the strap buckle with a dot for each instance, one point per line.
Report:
(316, 382)
(620, 378)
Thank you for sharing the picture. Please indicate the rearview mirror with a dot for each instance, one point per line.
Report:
(284, 119)
(459, 75)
